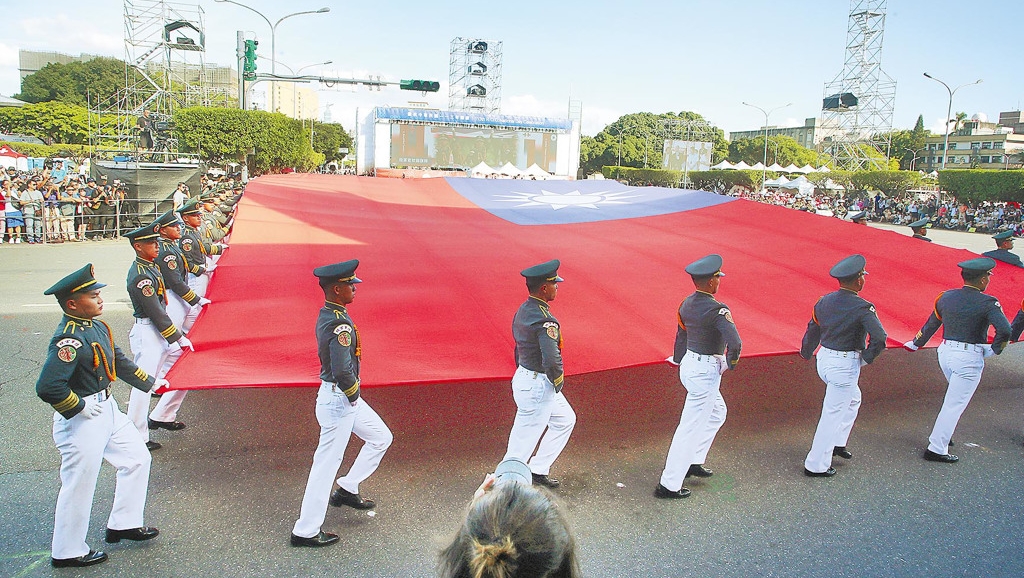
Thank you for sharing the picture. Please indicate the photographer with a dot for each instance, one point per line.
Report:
(145, 128)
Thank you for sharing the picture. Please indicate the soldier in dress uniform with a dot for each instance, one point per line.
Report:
(340, 411)
(920, 229)
(539, 378)
(88, 427)
(1004, 243)
(839, 322)
(196, 248)
(965, 315)
(707, 345)
(154, 335)
(860, 217)
(183, 306)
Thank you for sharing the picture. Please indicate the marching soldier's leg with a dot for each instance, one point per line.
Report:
(377, 438)
(127, 452)
(715, 420)
(561, 422)
(702, 391)
(964, 373)
(533, 409)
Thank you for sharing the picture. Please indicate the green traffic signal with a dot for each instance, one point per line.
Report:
(249, 69)
(420, 85)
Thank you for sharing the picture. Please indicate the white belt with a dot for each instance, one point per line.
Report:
(143, 321)
(961, 345)
(835, 353)
(99, 396)
(704, 358)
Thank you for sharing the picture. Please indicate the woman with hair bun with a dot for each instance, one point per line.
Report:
(511, 530)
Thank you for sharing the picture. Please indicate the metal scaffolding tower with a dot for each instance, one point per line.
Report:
(859, 102)
(474, 75)
(165, 69)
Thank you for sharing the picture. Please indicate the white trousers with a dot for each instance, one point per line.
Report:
(198, 283)
(150, 351)
(703, 414)
(83, 444)
(170, 402)
(840, 370)
(338, 420)
(962, 365)
(538, 408)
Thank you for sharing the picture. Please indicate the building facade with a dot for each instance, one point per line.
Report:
(809, 135)
(977, 144)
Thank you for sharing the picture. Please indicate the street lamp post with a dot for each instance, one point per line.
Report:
(764, 162)
(949, 111)
(273, 33)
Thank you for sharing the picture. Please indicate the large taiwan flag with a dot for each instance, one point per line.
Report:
(440, 260)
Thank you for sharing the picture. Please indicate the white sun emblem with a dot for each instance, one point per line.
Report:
(571, 199)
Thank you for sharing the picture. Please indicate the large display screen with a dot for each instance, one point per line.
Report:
(683, 155)
(444, 147)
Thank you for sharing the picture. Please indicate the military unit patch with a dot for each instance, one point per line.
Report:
(552, 330)
(148, 291)
(345, 339)
(69, 341)
(67, 354)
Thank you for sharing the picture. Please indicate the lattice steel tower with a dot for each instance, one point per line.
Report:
(859, 102)
(474, 75)
(165, 69)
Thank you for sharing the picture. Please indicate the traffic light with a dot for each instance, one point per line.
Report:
(249, 70)
(420, 85)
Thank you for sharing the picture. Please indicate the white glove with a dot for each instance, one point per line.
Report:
(987, 351)
(211, 268)
(723, 367)
(91, 410)
(909, 346)
(161, 385)
(184, 342)
(671, 360)
(203, 301)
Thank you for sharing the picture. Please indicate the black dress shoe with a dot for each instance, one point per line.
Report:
(168, 425)
(342, 497)
(826, 474)
(951, 442)
(944, 458)
(321, 539)
(136, 534)
(698, 470)
(664, 493)
(93, 557)
(842, 452)
(153, 446)
(544, 480)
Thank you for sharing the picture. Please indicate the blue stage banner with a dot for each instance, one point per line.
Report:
(471, 118)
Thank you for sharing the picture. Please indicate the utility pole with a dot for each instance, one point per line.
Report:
(240, 54)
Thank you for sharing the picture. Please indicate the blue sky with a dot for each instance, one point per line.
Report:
(616, 57)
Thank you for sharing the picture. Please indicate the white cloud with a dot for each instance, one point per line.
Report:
(74, 36)
(938, 125)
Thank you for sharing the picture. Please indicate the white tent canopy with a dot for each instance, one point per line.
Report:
(509, 169)
(807, 169)
(741, 166)
(723, 166)
(790, 168)
(831, 185)
(481, 170)
(824, 169)
(775, 167)
(776, 182)
(537, 172)
(799, 184)
(758, 167)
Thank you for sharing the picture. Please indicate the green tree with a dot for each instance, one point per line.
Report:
(783, 150)
(328, 138)
(53, 122)
(220, 134)
(97, 80)
(635, 138)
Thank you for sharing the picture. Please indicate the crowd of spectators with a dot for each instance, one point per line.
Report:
(54, 205)
(943, 211)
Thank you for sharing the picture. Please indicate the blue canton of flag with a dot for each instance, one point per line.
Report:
(563, 202)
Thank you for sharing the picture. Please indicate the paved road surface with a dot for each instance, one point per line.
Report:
(225, 491)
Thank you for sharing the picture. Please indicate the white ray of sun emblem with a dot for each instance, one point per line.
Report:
(571, 199)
